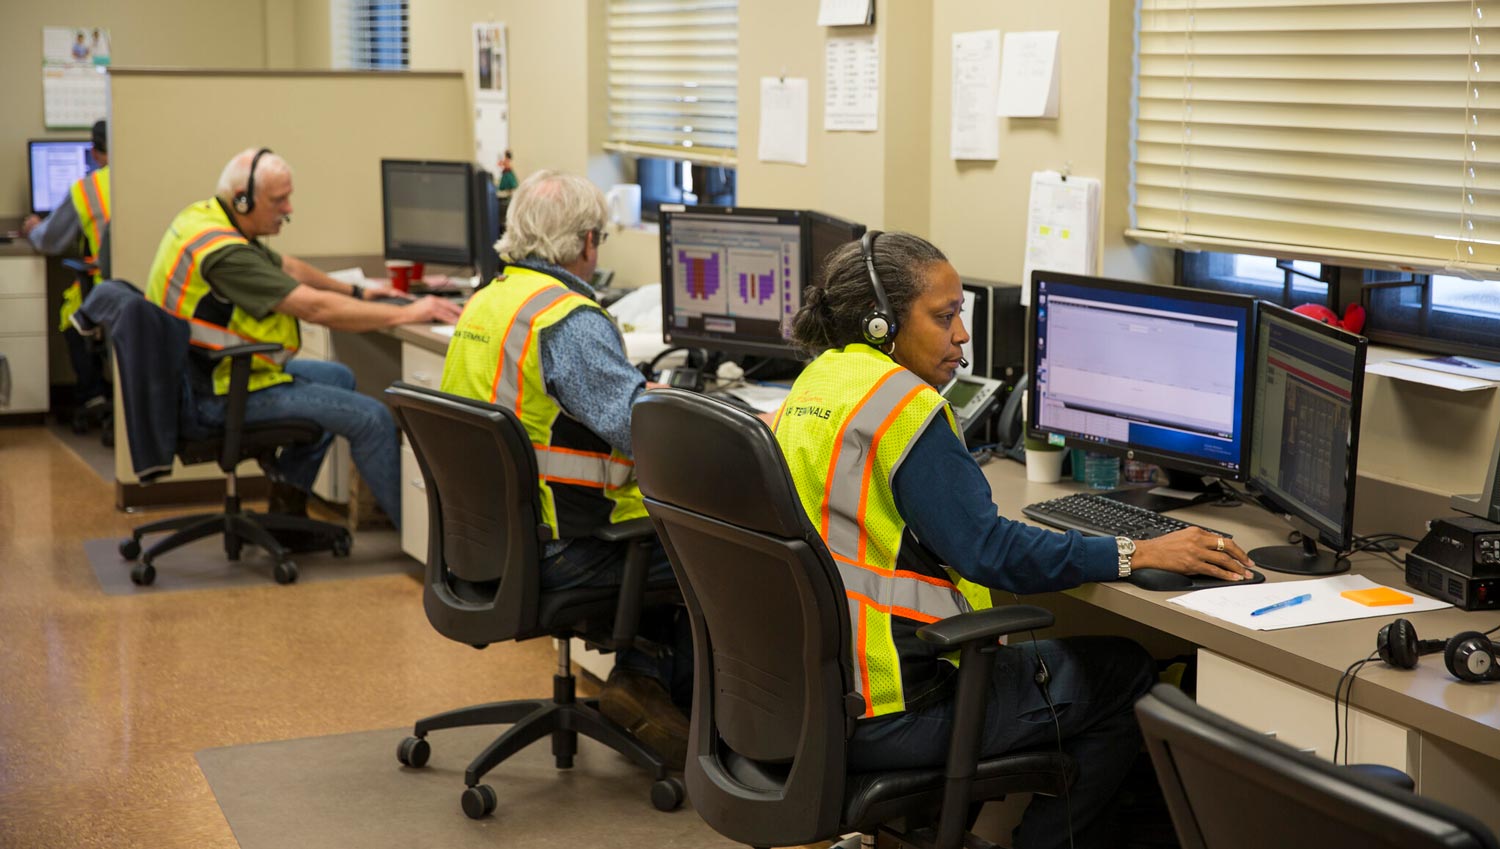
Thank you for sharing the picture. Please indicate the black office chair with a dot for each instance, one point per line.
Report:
(148, 341)
(483, 586)
(1229, 787)
(774, 701)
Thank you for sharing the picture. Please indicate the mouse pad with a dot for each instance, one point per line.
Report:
(1161, 581)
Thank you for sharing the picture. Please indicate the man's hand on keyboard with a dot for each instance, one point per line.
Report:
(1193, 551)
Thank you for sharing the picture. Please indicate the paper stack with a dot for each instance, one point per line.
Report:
(1062, 227)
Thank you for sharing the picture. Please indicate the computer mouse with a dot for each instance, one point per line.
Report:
(1160, 580)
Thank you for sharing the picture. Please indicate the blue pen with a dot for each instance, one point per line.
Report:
(1293, 601)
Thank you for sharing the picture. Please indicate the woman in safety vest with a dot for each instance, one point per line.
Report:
(878, 461)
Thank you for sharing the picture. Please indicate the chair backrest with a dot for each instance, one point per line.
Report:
(766, 758)
(484, 515)
(1230, 787)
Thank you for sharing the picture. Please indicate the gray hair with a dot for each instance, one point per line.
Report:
(834, 307)
(236, 174)
(548, 216)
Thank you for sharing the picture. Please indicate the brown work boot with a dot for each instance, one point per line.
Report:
(640, 704)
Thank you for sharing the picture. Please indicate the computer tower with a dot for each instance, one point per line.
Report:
(998, 329)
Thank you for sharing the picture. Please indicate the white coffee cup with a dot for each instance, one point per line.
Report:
(1044, 465)
(624, 201)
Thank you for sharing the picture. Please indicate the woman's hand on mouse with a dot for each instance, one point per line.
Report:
(1193, 551)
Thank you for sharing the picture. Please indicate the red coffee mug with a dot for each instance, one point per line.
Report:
(400, 271)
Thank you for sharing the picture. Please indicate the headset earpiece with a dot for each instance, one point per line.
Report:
(878, 326)
(1397, 644)
(1470, 656)
(244, 202)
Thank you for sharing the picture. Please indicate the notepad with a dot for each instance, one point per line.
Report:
(1377, 596)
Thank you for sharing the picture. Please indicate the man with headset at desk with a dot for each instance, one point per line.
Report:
(537, 342)
(212, 270)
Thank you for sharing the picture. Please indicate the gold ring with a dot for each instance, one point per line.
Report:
(1220, 546)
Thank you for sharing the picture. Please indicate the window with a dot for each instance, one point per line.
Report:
(369, 34)
(1288, 282)
(673, 83)
(1360, 129)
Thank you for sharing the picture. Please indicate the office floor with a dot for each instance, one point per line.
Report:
(104, 700)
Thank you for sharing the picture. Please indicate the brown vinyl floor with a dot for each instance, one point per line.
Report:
(104, 699)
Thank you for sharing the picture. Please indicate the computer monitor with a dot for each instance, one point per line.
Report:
(826, 234)
(732, 277)
(54, 166)
(428, 211)
(1151, 373)
(1304, 436)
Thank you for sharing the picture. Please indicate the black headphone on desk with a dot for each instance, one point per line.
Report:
(244, 202)
(1469, 656)
(878, 326)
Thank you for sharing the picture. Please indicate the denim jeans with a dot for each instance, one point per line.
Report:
(589, 562)
(1095, 682)
(324, 392)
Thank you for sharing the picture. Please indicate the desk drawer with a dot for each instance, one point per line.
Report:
(23, 275)
(421, 367)
(23, 316)
(413, 506)
(1299, 717)
(26, 359)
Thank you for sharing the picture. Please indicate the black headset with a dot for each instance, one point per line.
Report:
(878, 326)
(244, 202)
(1470, 656)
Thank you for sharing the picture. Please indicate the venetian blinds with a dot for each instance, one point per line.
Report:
(369, 34)
(1356, 130)
(673, 78)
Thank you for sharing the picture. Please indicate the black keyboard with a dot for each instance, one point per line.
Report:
(1097, 515)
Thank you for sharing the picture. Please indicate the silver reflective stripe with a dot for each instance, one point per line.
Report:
(895, 590)
(596, 470)
(856, 621)
(846, 484)
(509, 385)
(186, 261)
(211, 336)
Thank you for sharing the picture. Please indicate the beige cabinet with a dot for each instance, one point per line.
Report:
(23, 333)
(419, 367)
(336, 474)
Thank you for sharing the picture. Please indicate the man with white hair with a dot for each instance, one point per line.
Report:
(538, 342)
(212, 270)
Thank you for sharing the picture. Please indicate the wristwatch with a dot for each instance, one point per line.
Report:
(356, 291)
(1125, 547)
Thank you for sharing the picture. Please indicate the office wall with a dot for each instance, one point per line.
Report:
(158, 33)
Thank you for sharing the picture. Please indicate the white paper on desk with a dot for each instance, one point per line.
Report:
(1428, 377)
(845, 13)
(355, 276)
(1062, 227)
(783, 120)
(1234, 604)
(765, 398)
(443, 330)
(1462, 366)
(975, 131)
(851, 76)
(1029, 75)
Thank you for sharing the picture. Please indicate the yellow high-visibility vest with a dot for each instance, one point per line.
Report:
(90, 197)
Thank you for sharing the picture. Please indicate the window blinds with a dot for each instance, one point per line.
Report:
(369, 34)
(1357, 130)
(673, 78)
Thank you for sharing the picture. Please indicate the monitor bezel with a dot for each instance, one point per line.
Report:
(437, 255)
(785, 348)
(30, 172)
(1165, 459)
(1270, 500)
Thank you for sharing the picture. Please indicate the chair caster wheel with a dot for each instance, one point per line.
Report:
(286, 572)
(343, 544)
(413, 752)
(667, 794)
(143, 574)
(479, 801)
(130, 549)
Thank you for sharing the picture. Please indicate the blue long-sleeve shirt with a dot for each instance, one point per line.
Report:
(947, 504)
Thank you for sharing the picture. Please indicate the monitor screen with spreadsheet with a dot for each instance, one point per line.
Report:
(1153, 373)
(55, 165)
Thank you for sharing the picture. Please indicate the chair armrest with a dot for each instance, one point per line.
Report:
(992, 623)
(80, 266)
(242, 351)
(1385, 775)
(239, 393)
(638, 533)
(633, 529)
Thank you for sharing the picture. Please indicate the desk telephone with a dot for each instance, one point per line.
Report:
(973, 399)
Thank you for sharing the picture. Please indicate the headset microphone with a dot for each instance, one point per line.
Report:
(963, 363)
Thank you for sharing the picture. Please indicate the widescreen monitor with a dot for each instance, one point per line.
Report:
(826, 234)
(428, 211)
(1304, 436)
(1152, 373)
(54, 166)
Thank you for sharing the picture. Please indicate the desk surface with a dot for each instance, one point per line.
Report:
(1427, 698)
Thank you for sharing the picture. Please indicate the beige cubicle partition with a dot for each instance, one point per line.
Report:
(172, 131)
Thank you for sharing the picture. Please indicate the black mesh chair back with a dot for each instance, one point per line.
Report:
(1229, 787)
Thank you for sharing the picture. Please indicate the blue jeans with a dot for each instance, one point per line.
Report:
(1095, 682)
(589, 562)
(324, 392)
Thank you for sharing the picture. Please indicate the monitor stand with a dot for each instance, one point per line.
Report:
(1204, 493)
(1304, 559)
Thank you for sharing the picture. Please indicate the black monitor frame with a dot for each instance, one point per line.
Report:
(1188, 466)
(734, 343)
(31, 186)
(436, 254)
(1306, 559)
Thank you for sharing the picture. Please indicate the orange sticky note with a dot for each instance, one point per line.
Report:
(1377, 597)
